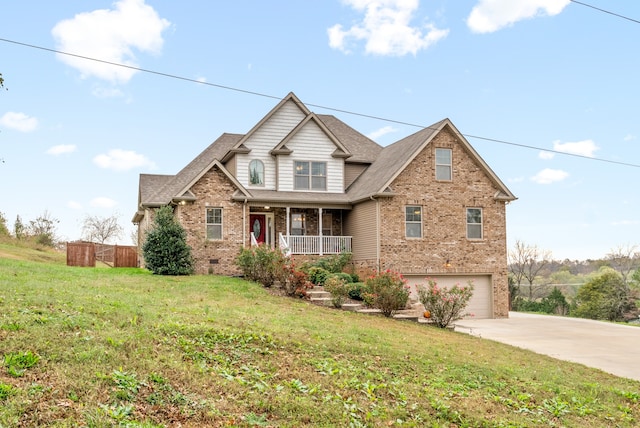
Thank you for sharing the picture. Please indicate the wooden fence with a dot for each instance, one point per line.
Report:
(86, 253)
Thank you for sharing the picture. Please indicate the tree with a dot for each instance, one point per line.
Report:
(19, 229)
(526, 262)
(43, 229)
(165, 249)
(624, 259)
(101, 229)
(605, 297)
(4, 231)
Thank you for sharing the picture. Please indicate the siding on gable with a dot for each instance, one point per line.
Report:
(311, 144)
(264, 139)
(352, 171)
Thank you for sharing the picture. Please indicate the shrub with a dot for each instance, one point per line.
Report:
(318, 275)
(339, 290)
(334, 263)
(445, 305)
(343, 276)
(296, 282)
(387, 291)
(263, 264)
(356, 290)
(605, 297)
(165, 249)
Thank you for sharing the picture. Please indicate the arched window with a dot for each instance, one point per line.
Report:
(256, 173)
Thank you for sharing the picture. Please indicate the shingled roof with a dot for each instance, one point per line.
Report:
(384, 165)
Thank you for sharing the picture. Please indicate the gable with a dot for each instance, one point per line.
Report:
(394, 159)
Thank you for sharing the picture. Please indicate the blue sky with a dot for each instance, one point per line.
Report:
(525, 81)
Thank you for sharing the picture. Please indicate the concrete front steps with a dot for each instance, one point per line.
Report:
(319, 296)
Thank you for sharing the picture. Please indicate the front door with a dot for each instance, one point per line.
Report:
(258, 227)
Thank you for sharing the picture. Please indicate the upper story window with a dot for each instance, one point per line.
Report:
(310, 175)
(214, 223)
(443, 164)
(256, 173)
(413, 221)
(474, 223)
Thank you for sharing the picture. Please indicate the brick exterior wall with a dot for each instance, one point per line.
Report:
(213, 190)
(444, 207)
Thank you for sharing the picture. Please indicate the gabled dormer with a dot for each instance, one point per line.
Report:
(310, 159)
(254, 166)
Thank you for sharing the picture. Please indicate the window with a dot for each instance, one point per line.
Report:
(327, 222)
(214, 223)
(443, 164)
(297, 224)
(310, 175)
(256, 173)
(474, 223)
(413, 221)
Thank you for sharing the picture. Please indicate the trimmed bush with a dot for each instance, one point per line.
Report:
(165, 249)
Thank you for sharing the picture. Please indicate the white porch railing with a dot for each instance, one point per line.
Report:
(316, 244)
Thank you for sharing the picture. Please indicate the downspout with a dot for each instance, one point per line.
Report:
(377, 231)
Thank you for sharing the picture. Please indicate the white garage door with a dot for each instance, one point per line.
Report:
(481, 303)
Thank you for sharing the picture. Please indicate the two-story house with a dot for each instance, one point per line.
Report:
(425, 206)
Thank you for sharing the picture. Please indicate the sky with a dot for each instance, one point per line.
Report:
(546, 91)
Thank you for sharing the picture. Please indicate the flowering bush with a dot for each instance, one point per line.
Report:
(387, 291)
(339, 290)
(445, 305)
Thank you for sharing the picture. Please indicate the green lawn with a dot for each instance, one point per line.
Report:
(121, 347)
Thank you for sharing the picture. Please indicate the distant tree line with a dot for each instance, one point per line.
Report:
(605, 289)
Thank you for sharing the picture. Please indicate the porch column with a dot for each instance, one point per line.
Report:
(320, 231)
(288, 221)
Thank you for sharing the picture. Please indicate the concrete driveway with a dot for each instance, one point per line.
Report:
(612, 348)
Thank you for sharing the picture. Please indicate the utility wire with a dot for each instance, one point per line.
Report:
(259, 94)
(605, 11)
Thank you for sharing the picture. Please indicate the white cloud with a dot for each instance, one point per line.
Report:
(582, 148)
(381, 132)
(386, 29)
(74, 205)
(110, 35)
(19, 122)
(122, 160)
(548, 176)
(62, 149)
(103, 202)
(546, 155)
(629, 137)
(515, 179)
(492, 15)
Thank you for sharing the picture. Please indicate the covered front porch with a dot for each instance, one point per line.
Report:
(299, 230)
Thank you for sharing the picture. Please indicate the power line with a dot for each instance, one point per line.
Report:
(259, 94)
(605, 11)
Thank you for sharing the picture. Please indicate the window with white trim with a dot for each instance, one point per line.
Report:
(443, 164)
(310, 175)
(297, 224)
(327, 222)
(413, 221)
(256, 173)
(214, 224)
(474, 223)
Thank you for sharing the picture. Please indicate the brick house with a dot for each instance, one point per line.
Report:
(427, 205)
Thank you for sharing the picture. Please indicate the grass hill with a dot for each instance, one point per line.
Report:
(121, 347)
